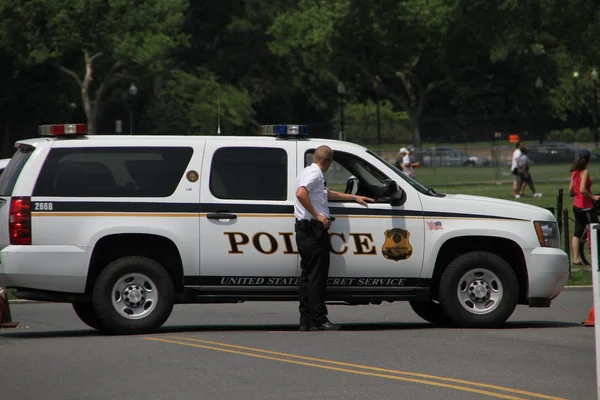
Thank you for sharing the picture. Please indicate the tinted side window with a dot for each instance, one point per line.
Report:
(13, 170)
(113, 172)
(249, 173)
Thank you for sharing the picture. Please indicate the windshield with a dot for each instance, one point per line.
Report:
(407, 178)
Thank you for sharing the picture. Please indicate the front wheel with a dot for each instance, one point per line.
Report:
(133, 295)
(479, 290)
(431, 311)
(87, 315)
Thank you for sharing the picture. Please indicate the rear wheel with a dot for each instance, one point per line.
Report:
(133, 295)
(87, 315)
(479, 290)
(431, 311)
(584, 249)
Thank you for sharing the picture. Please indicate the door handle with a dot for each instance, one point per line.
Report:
(221, 215)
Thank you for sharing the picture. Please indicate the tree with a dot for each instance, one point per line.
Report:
(94, 42)
(194, 102)
(403, 42)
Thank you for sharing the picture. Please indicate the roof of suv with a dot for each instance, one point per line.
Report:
(149, 139)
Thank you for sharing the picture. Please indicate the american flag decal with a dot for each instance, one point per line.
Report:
(435, 225)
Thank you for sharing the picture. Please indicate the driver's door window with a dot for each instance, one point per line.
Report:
(350, 174)
(336, 177)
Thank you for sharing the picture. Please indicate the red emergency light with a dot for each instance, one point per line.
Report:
(62, 129)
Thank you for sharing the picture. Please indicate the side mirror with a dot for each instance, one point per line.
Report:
(393, 193)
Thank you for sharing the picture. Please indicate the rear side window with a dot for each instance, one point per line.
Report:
(249, 173)
(113, 172)
(13, 169)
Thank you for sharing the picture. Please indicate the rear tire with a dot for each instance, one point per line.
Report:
(584, 249)
(432, 312)
(133, 295)
(479, 290)
(87, 315)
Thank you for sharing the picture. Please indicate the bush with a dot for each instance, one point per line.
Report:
(566, 135)
(584, 135)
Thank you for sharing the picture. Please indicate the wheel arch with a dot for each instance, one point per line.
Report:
(114, 246)
(505, 248)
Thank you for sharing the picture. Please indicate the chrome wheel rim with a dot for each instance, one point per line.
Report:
(134, 296)
(480, 291)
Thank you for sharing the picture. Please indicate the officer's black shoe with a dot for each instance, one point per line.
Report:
(326, 326)
(304, 327)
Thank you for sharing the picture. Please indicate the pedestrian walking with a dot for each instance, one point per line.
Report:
(514, 169)
(311, 209)
(525, 178)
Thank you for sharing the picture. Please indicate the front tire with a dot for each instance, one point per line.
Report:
(87, 315)
(431, 312)
(479, 290)
(133, 295)
(584, 249)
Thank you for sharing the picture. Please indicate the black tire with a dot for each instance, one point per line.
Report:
(479, 290)
(432, 312)
(133, 295)
(584, 249)
(87, 315)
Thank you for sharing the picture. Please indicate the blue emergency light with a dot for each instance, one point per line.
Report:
(283, 130)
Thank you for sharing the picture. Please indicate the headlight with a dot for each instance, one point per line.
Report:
(547, 233)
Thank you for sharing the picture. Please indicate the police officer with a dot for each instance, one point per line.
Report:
(312, 222)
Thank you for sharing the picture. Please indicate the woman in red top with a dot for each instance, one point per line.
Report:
(581, 188)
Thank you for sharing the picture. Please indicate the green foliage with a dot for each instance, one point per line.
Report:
(584, 135)
(190, 104)
(566, 135)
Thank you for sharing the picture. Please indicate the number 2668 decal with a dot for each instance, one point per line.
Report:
(41, 206)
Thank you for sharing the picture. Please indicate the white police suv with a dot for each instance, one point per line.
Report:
(124, 227)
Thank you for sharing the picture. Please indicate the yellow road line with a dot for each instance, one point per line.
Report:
(394, 377)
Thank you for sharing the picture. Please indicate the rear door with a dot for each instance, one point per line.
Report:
(8, 180)
(246, 217)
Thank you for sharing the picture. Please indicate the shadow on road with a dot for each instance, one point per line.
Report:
(18, 333)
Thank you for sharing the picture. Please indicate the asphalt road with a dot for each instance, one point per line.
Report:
(253, 351)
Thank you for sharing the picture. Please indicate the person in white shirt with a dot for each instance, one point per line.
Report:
(311, 209)
(514, 169)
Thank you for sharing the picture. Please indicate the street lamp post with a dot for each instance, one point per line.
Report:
(539, 84)
(595, 110)
(575, 78)
(378, 114)
(341, 89)
(132, 92)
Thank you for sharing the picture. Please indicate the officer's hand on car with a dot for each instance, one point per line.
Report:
(363, 200)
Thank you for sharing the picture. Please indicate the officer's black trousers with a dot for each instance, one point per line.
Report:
(313, 246)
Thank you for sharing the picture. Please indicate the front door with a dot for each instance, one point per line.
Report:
(246, 219)
(378, 248)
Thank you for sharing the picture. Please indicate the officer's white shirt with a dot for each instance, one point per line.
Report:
(313, 180)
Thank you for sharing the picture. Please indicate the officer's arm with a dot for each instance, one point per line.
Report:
(337, 196)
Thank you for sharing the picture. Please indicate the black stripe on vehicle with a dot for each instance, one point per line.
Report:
(102, 206)
(292, 281)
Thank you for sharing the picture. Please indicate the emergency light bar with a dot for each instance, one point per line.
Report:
(62, 129)
(283, 130)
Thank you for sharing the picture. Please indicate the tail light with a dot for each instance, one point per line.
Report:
(19, 223)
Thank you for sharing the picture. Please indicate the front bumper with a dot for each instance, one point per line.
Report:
(548, 271)
(52, 268)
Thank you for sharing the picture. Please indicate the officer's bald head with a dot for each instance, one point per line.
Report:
(323, 157)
